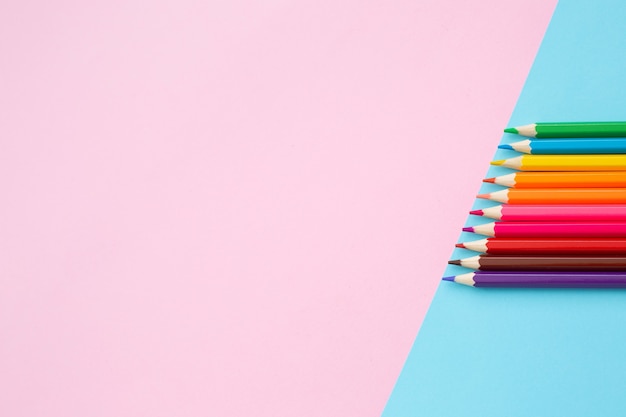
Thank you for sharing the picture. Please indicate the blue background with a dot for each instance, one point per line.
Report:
(530, 352)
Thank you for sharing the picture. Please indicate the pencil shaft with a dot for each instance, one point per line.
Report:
(549, 263)
(572, 129)
(566, 163)
(562, 195)
(570, 147)
(550, 246)
(595, 179)
(581, 129)
(557, 229)
(550, 279)
(557, 212)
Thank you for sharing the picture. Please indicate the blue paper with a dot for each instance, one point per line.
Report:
(532, 352)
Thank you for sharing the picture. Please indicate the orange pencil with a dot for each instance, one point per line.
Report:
(558, 196)
(601, 179)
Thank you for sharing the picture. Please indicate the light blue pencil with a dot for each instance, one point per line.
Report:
(568, 146)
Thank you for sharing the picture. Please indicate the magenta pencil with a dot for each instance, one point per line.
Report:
(555, 212)
(548, 229)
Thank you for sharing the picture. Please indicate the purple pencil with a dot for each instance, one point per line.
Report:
(523, 279)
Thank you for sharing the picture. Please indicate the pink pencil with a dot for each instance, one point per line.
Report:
(555, 212)
(540, 229)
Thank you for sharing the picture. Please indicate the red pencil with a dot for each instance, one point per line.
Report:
(545, 229)
(547, 246)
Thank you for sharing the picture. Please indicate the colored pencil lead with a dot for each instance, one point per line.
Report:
(476, 212)
(455, 262)
(498, 162)
(448, 278)
(506, 146)
(490, 180)
(511, 130)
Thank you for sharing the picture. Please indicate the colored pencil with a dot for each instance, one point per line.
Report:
(567, 146)
(552, 279)
(571, 130)
(544, 229)
(601, 179)
(558, 196)
(542, 263)
(547, 246)
(565, 163)
(554, 212)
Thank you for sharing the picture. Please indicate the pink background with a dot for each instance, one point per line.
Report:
(237, 208)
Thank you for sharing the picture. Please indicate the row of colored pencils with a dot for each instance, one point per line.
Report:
(562, 217)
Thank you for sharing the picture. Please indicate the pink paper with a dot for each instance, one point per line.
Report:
(237, 208)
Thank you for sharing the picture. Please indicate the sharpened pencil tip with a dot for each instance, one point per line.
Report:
(448, 279)
(468, 229)
(506, 146)
(459, 245)
(511, 130)
(455, 262)
(477, 212)
(491, 180)
(485, 196)
(498, 162)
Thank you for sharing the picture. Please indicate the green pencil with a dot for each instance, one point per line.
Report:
(571, 130)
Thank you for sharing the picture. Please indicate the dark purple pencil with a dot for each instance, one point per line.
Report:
(523, 279)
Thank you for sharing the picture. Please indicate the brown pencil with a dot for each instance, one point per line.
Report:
(543, 263)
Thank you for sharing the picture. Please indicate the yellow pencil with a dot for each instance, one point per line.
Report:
(565, 162)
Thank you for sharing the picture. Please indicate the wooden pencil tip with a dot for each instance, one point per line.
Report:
(511, 130)
(485, 196)
(491, 180)
(455, 262)
(498, 162)
(448, 279)
(459, 245)
(477, 212)
(468, 229)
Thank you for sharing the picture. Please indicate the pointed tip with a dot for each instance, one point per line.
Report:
(468, 229)
(490, 180)
(511, 130)
(485, 196)
(448, 279)
(506, 146)
(498, 162)
(460, 245)
(477, 212)
(454, 262)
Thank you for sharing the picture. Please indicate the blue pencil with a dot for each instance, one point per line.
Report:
(568, 146)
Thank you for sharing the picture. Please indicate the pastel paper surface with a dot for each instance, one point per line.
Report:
(532, 352)
(237, 207)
